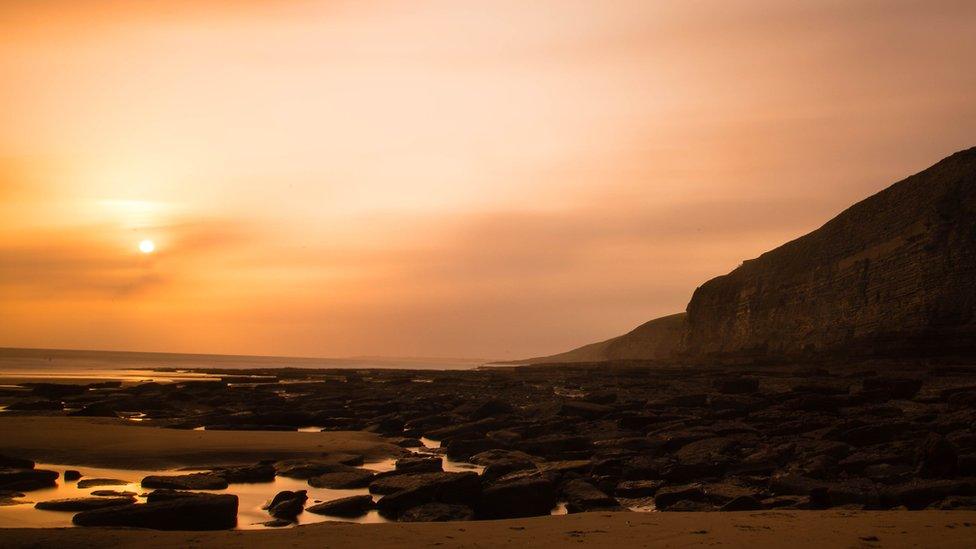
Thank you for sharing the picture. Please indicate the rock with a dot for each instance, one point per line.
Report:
(526, 497)
(582, 496)
(277, 523)
(193, 481)
(937, 457)
(113, 493)
(637, 488)
(8, 462)
(892, 388)
(919, 494)
(308, 468)
(550, 446)
(342, 480)
(83, 504)
(410, 443)
(89, 482)
(27, 479)
(588, 410)
(436, 512)
(72, 474)
(419, 464)
(283, 496)
(202, 512)
(97, 409)
(669, 495)
(56, 390)
(737, 385)
(259, 472)
(742, 503)
(352, 506)
(411, 490)
(501, 467)
(37, 405)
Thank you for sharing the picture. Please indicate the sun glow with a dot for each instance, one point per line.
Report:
(147, 246)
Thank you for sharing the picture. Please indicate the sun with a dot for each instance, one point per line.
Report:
(147, 246)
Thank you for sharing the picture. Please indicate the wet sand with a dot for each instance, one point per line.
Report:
(101, 442)
(795, 529)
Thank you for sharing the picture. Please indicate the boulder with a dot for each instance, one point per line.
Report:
(89, 482)
(586, 410)
(83, 504)
(201, 512)
(742, 503)
(736, 385)
(526, 497)
(27, 479)
(308, 468)
(581, 496)
(352, 506)
(406, 491)
(436, 512)
(419, 464)
(937, 457)
(193, 481)
(259, 472)
(342, 480)
(669, 495)
(637, 488)
(287, 504)
(72, 474)
(9, 462)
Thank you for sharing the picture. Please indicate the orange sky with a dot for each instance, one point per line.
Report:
(481, 179)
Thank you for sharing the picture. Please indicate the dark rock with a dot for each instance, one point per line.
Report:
(588, 410)
(193, 481)
(352, 506)
(637, 488)
(97, 409)
(892, 388)
(112, 493)
(27, 479)
(342, 480)
(742, 503)
(581, 496)
(259, 472)
(83, 504)
(89, 482)
(526, 497)
(419, 464)
(308, 468)
(204, 512)
(72, 474)
(436, 512)
(8, 462)
(669, 495)
(937, 457)
(737, 385)
(920, 494)
(411, 490)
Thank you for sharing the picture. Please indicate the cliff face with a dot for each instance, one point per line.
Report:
(894, 273)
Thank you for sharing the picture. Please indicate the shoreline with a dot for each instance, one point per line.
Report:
(762, 529)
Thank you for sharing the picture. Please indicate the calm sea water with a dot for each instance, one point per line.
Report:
(54, 364)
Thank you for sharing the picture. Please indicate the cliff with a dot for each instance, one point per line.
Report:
(893, 275)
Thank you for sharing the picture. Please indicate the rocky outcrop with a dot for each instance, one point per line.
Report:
(894, 273)
(892, 276)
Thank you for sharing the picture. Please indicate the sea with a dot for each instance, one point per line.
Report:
(18, 365)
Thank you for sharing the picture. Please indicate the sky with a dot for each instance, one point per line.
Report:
(439, 178)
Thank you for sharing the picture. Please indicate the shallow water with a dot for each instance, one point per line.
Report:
(251, 497)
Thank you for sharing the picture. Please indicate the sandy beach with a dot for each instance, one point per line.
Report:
(797, 529)
(101, 442)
